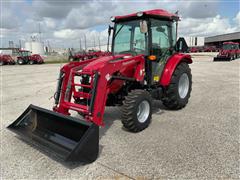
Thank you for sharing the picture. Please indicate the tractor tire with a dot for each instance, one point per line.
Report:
(31, 62)
(137, 110)
(20, 61)
(179, 90)
(1, 63)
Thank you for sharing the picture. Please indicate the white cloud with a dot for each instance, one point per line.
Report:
(205, 27)
(50, 23)
(63, 22)
(237, 20)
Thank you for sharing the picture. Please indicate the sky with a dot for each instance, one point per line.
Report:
(63, 23)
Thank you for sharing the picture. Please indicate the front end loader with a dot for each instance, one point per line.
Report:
(145, 65)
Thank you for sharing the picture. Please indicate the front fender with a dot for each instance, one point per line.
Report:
(171, 65)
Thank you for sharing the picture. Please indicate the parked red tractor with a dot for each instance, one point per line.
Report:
(228, 52)
(88, 55)
(25, 57)
(210, 49)
(6, 59)
(145, 65)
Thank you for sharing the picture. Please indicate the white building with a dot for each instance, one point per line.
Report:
(194, 41)
(35, 47)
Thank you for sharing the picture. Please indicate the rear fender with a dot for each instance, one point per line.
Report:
(171, 65)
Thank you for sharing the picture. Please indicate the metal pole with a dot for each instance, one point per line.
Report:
(99, 42)
(20, 44)
(39, 26)
(80, 44)
(85, 41)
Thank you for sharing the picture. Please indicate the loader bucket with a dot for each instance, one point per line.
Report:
(66, 137)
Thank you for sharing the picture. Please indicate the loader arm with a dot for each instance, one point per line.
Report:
(101, 75)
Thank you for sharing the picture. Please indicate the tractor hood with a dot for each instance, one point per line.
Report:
(101, 61)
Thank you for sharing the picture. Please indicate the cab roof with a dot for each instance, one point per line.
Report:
(230, 42)
(155, 13)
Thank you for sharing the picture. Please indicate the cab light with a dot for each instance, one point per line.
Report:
(112, 18)
(139, 14)
(152, 58)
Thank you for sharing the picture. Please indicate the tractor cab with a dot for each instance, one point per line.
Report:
(151, 33)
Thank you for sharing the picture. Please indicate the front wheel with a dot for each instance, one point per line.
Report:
(31, 62)
(20, 61)
(179, 90)
(137, 110)
(1, 63)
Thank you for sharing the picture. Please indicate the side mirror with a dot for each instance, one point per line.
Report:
(110, 28)
(143, 26)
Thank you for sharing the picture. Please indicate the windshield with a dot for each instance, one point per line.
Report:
(129, 39)
(227, 46)
(25, 53)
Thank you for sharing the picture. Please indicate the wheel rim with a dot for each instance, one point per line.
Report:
(143, 111)
(183, 85)
(20, 61)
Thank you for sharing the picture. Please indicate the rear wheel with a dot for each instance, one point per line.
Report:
(178, 92)
(1, 63)
(31, 62)
(137, 110)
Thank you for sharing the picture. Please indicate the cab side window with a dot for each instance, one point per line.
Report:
(160, 37)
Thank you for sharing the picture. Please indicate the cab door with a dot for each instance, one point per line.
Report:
(161, 43)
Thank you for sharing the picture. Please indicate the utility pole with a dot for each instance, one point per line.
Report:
(94, 45)
(80, 43)
(20, 44)
(39, 31)
(85, 42)
(99, 42)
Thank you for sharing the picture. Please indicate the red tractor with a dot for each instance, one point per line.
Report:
(210, 49)
(89, 55)
(25, 57)
(6, 59)
(145, 65)
(193, 50)
(228, 52)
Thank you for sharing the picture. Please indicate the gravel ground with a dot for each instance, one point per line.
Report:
(199, 141)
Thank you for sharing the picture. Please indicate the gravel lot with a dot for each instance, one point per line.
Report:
(199, 141)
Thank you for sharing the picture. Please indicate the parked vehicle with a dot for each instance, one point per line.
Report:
(25, 57)
(144, 66)
(228, 52)
(89, 55)
(6, 59)
(210, 49)
(193, 50)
